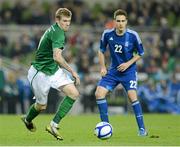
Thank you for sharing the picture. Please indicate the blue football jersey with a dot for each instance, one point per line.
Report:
(121, 48)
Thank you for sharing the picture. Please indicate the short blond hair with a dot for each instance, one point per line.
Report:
(63, 12)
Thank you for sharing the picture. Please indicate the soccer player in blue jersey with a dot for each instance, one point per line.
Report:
(122, 43)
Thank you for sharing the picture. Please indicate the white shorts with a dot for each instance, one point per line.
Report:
(41, 83)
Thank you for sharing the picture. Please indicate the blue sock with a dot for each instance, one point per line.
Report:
(103, 109)
(138, 113)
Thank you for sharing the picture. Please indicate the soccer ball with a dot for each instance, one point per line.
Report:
(103, 130)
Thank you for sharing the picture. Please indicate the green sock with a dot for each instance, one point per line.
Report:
(63, 109)
(32, 113)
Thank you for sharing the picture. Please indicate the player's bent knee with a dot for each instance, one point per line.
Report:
(99, 94)
(132, 95)
(73, 94)
(96, 94)
(40, 107)
(71, 91)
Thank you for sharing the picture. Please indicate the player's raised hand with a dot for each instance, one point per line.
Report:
(76, 77)
(103, 71)
(122, 67)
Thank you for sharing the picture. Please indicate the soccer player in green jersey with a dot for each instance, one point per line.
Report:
(46, 71)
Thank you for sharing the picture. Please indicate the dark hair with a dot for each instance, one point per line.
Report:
(120, 12)
(63, 12)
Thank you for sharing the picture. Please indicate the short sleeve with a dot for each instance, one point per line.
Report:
(58, 40)
(103, 42)
(138, 44)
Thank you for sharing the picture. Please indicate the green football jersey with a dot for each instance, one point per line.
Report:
(54, 37)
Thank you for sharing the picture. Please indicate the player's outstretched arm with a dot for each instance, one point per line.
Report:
(57, 56)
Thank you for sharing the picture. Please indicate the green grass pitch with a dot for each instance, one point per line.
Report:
(78, 130)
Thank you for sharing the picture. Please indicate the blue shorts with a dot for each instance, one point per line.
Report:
(128, 81)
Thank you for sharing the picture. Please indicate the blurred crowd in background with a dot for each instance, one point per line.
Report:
(42, 11)
(157, 21)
